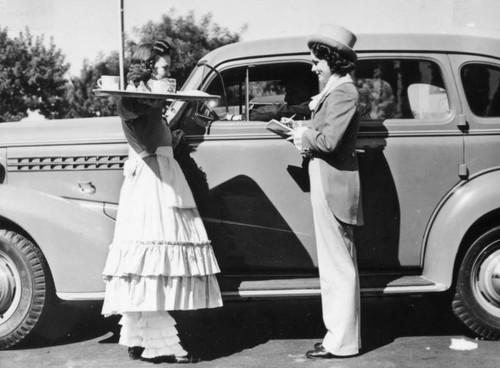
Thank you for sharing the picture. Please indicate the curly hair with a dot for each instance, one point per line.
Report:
(336, 61)
(144, 58)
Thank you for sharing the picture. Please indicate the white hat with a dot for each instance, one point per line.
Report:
(337, 37)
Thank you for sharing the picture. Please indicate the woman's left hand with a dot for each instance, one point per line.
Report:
(289, 122)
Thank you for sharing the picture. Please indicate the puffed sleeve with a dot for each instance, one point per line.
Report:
(130, 108)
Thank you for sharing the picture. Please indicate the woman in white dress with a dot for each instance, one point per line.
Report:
(160, 259)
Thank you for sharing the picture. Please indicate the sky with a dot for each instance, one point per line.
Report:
(83, 28)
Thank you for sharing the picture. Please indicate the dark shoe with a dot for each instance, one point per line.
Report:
(186, 359)
(319, 352)
(160, 359)
(135, 352)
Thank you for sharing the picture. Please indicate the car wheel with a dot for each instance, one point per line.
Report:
(477, 297)
(23, 275)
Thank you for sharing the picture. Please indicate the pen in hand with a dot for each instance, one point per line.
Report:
(288, 121)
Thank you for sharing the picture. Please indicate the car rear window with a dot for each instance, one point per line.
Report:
(481, 83)
(401, 89)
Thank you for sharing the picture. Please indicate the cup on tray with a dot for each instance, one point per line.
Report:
(165, 85)
(110, 82)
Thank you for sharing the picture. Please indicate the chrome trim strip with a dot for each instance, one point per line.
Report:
(81, 296)
(406, 289)
(280, 293)
(219, 136)
(317, 292)
(242, 224)
(270, 293)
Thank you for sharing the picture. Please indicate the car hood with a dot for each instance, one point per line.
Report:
(64, 131)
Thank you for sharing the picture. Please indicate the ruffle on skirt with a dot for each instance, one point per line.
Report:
(160, 258)
(160, 293)
(154, 331)
(151, 222)
(155, 259)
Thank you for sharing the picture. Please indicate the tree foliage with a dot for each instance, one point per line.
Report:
(192, 39)
(82, 101)
(32, 76)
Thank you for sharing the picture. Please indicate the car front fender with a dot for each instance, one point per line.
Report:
(73, 239)
(463, 207)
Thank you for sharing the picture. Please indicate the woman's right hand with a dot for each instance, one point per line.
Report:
(177, 137)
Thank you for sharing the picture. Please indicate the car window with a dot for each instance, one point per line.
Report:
(401, 89)
(272, 89)
(481, 84)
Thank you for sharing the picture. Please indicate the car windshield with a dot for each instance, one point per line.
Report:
(193, 82)
(195, 78)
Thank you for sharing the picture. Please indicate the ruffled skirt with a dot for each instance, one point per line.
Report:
(160, 258)
(154, 331)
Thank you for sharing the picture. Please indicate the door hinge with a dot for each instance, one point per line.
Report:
(463, 171)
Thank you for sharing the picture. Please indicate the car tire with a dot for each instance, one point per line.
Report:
(23, 287)
(477, 297)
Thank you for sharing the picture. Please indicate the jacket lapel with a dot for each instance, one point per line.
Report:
(342, 80)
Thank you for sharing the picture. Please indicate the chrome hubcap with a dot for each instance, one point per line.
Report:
(487, 281)
(10, 282)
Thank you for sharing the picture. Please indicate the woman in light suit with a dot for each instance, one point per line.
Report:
(335, 188)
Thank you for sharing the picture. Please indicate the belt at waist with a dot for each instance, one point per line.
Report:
(166, 151)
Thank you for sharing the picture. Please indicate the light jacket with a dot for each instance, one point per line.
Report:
(332, 140)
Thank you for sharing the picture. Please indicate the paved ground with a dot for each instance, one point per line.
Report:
(396, 332)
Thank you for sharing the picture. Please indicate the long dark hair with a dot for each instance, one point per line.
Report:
(336, 61)
(144, 58)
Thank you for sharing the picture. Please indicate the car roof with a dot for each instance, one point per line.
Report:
(461, 40)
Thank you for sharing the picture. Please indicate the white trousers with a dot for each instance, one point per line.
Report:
(339, 279)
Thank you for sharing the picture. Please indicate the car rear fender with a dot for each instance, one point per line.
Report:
(73, 239)
(468, 203)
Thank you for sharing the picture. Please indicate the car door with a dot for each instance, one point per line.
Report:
(479, 87)
(410, 154)
(249, 183)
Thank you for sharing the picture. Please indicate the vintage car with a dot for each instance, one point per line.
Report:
(429, 154)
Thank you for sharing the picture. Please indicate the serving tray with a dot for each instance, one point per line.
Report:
(193, 95)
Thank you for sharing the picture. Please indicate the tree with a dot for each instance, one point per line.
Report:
(191, 39)
(82, 101)
(32, 76)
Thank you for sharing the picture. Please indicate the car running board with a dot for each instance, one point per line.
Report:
(309, 287)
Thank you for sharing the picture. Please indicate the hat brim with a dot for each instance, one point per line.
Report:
(343, 49)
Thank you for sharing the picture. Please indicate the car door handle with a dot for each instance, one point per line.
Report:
(87, 187)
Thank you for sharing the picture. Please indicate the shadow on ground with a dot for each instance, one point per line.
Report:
(216, 333)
